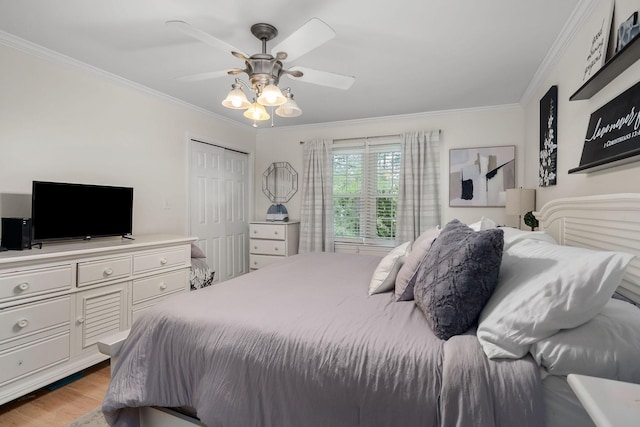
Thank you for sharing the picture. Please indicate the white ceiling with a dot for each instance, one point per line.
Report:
(408, 56)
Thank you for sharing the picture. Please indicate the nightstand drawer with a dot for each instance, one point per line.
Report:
(27, 282)
(30, 359)
(92, 272)
(155, 286)
(267, 231)
(31, 318)
(157, 260)
(267, 247)
(260, 261)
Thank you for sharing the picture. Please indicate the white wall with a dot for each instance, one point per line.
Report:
(460, 129)
(61, 122)
(573, 119)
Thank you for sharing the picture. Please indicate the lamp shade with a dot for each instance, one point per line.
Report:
(520, 200)
(290, 108)
(271, 96)
(256, 112)
(236, 99)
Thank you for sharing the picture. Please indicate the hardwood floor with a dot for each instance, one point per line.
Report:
(57, 408)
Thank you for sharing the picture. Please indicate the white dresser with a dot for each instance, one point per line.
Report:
(56, 302)
(269, 242)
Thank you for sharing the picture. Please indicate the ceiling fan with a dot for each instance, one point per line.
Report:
(264, 69)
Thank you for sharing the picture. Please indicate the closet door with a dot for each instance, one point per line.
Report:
(218, 202)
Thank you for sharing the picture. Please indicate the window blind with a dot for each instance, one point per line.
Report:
(366, 176)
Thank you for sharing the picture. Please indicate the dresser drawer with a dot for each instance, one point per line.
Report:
(155, 260)
(27, 282)
(162, 284)
(267, 247)
(92, 272)
(31, 318)
(260, 261)
(30, 359)
(267, 231)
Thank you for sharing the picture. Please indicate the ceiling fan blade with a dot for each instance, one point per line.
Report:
(203, 76)
(306, 38)
(324, 78)
(206, 38)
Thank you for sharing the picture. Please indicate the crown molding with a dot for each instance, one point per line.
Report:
(579, 15)
(377, 120)
(30, 48)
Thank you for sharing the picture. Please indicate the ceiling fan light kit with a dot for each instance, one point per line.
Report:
(265, 69)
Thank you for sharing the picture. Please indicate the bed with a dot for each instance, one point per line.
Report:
(303, 343)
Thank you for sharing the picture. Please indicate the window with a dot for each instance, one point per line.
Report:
(365, 191)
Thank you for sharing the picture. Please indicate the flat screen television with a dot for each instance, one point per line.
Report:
(80, 211)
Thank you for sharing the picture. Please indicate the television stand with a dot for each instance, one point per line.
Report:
(128, 237)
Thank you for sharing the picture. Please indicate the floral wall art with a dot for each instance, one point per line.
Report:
(548, 138)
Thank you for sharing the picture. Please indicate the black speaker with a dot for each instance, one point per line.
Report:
(16, 233)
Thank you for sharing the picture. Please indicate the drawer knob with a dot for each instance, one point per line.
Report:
(23, 286)
(276, 249)
(255, 231)
(23, 323)
(275, 232)
(80, 320)
(108, 271)
(163, 261)
(163, 286)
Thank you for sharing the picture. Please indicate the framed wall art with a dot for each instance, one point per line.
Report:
(479, 177)
(598, 26)
(548, 138)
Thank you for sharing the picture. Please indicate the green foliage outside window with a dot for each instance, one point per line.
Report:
(365, 194)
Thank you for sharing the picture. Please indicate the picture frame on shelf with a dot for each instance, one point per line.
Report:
(627, 31)
(479, 177)
(548, 171)
(598, 27)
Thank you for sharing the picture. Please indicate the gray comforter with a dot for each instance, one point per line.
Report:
(300, 343)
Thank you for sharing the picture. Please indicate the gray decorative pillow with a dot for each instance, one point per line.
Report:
(406, 277)
(196, 252)
(457, 277)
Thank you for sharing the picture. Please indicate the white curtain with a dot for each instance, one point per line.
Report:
(419, 190)
(316, 212)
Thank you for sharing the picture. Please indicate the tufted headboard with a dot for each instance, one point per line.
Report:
(605, 222)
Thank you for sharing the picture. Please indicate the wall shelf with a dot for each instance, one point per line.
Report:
(619, 62)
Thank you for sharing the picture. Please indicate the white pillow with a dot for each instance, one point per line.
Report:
(607, 346)
(513, 236)
(384, 277)
(542, 288)
(483, 224)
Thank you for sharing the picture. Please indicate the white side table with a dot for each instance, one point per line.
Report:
(609, 403)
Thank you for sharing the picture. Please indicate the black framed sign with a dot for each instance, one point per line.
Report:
(613, 135)
(548, 171)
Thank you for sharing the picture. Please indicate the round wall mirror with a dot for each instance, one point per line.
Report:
(280, 182)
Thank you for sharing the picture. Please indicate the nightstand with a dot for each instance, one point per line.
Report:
(271, 241)
(609, 403)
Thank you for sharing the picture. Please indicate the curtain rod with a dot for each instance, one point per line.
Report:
(362, 137)
(368, 137)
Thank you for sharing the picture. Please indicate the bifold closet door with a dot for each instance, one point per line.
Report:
(219, 203)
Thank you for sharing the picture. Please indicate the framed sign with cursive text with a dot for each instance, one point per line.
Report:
(613, 135)
(598, 26)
